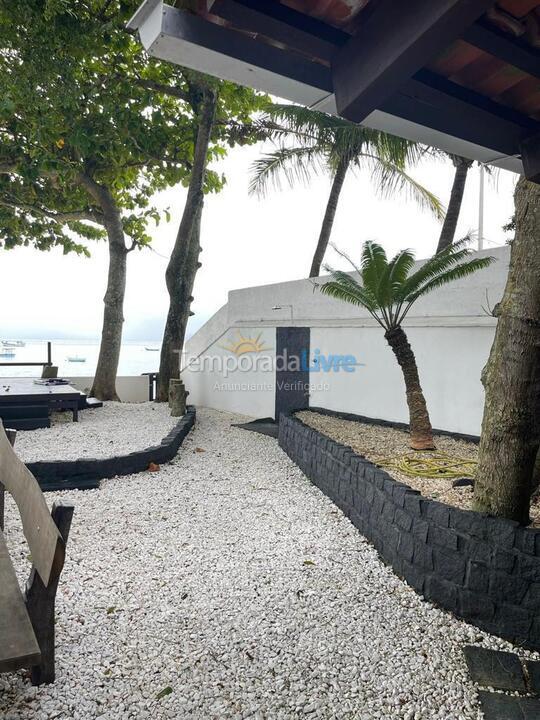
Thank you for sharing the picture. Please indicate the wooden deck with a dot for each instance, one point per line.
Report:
(25, 405)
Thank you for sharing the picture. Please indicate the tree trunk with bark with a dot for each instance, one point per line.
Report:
(419, 422)
(184, 261)
(448, 232)
(329, 216)
(511, 425)
(104, 386)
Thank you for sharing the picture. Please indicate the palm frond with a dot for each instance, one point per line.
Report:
(374, 263)
(392, 279)
(295, 164)
(346, 257)
(348, 282)
(388, 291)
(443, 260)
(322, 136)
(390, 180)
(456, 273)
(344, 291)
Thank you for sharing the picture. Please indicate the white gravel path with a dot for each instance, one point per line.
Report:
(230, 580)
(114, 429)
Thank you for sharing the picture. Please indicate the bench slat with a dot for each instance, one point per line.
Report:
(44, 540)
(18, 644)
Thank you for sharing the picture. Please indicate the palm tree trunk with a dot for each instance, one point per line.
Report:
(329, 216)
(448, 231)
(184, 261)
(511, 426)
(420, 425)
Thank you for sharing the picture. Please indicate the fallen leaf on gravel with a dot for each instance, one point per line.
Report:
(153, 467)
(309, 562)
(163, 693)
(199, 450)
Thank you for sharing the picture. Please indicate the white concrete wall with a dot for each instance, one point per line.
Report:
(210, 384)
(450, 360)
(449, 330)
(130, 389)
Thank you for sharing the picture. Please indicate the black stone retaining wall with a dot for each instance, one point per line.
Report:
(86, 474)
(484, 570)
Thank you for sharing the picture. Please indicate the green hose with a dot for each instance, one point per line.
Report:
(434, 465)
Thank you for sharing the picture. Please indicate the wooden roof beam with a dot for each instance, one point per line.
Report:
(395, 42)
(279, 22)
(438, 103)
(530, 154)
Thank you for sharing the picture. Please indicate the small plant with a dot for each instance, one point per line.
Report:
(388, 290)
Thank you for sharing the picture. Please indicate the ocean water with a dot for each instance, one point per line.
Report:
(134, 358)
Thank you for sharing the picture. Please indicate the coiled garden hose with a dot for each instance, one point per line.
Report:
(435, 465)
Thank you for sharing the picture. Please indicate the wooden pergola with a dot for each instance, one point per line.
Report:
(461, 75)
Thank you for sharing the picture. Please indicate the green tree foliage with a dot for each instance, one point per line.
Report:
(90, 129)
(388, 289)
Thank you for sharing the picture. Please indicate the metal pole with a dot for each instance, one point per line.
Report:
(481, 208)
(49, 353)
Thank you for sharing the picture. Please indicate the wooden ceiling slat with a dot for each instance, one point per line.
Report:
(513, 51)
(520, 93)
(518, 8)
(489, 76)
(455, 58)
(260, 17)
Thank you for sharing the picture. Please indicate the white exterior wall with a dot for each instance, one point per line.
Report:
(130, 389)
(450, 332)
(450, 360)
(247, 393)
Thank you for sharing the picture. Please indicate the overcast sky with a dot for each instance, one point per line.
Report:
(246, 241)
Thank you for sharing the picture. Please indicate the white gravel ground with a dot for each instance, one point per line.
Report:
(230, 581)
(114, 429)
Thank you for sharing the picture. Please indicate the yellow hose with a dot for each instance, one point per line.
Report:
(431, 465)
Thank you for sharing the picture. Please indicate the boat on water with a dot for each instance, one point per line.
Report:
(6, 353)
(12, 343)
(150, 349)
(76, 359)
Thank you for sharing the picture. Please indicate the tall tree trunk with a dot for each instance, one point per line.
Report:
(329, 216)
(511, 426)
(180, 286)
(104, 386)
(184, 261)
(448, 231)
(419, 422)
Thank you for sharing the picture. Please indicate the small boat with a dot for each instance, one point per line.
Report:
(152, 349)
(13, 343)
(76, 358)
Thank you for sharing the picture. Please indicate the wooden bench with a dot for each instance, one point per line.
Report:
(27, 621)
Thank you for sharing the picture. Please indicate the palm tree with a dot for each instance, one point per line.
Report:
(448, 231)
(388, 290)
(321, 141)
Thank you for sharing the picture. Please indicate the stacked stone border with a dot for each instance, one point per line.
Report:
(85, 474)
(484, 570)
